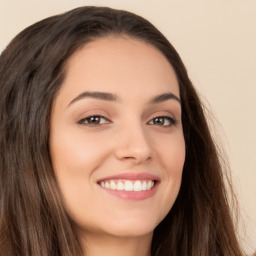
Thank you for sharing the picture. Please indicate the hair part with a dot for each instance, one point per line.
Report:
(33, 219)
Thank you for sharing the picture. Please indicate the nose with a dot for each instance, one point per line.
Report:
(134, 145)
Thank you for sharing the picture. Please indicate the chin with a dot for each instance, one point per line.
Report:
(131, 233)
(132, 228)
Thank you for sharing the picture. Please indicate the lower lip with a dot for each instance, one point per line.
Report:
(133, 195)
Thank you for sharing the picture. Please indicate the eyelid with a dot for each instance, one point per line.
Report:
(89, 111)
(85, 119)
(162, 114)
(172, 120)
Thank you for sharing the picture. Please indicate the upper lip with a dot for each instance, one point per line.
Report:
(131, 176)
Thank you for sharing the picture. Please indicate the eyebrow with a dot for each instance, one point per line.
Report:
(114, 98)
(164, 97)
(96, 95)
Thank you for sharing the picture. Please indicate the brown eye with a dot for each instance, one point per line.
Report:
(159, 121)
(163, 121)
(93, 120)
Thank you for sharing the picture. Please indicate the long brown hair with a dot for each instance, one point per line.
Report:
(33, 220)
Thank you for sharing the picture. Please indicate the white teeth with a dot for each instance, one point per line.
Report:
(112, 185)
(144, 185)
(106, 184)
(128, 185)
(137, 186)
(150, 184)
(120, 185)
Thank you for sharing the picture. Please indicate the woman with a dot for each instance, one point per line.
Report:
(105, 146)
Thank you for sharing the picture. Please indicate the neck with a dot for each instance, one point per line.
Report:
(98, 245)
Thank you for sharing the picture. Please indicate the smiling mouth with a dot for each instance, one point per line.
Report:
(128, 185)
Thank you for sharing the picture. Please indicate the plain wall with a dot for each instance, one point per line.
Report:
(216, 40)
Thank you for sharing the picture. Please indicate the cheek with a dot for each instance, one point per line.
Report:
(75, 153)
(172, 154)
(174, 159)
(75, 158)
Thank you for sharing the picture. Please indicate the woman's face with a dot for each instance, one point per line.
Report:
(116, 140)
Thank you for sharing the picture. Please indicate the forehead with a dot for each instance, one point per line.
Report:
(119, 63)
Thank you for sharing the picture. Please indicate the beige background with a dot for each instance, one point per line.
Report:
(217, 41)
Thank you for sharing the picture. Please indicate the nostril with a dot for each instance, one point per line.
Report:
(134, 145)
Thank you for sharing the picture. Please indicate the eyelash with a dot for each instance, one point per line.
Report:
(86, 121)
(97, 119)
(171, 120)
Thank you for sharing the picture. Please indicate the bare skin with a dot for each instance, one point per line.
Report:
(117, 144)
(115, 246)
